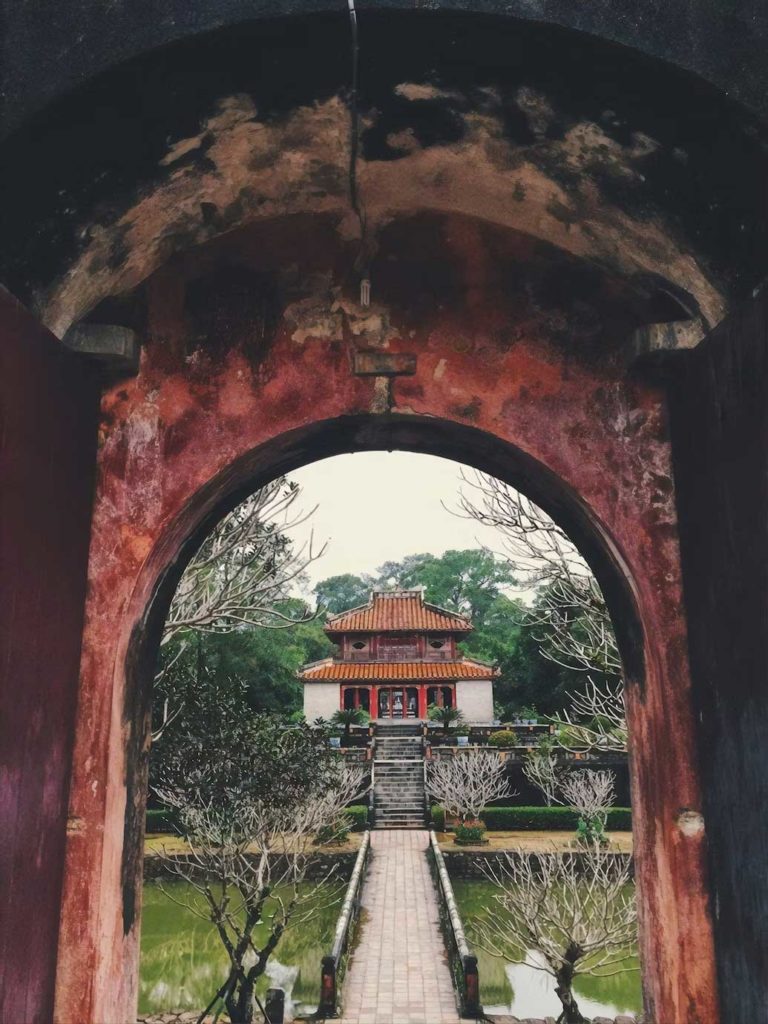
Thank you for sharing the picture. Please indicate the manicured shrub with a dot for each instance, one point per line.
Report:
(160, 819)
(358, 815)
(562, 819)
(471, 832)
(438, 818)
(502, 738)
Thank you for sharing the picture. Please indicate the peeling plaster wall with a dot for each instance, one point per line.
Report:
(187, 434)
(604, 155)
(255, 170)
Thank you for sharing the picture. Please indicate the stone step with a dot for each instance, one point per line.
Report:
(397, 729)
(388, 813)
(405, 823)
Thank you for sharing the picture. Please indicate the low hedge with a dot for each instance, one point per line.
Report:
(160, 819)
(438, 818)
(563, 819)
(358, 813)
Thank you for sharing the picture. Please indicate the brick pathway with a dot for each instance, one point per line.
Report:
(399, 972)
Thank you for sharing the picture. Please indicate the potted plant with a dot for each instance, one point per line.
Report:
(346, 718)
(446, 717)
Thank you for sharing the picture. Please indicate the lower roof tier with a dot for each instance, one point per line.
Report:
(374, 671)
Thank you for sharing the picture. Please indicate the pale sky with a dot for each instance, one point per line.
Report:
(379, 506)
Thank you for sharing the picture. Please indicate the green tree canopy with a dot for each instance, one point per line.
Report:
(338, 593)
(467, 581)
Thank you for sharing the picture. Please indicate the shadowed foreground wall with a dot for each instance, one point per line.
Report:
(48, 410)
(720, 443)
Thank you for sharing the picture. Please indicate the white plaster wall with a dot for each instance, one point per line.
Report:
(321, 700)
(474, 698)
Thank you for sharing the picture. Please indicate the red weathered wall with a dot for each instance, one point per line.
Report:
(223, 401)
(48, 418)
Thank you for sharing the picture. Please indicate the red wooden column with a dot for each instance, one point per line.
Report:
(48, 416)
(422, 700)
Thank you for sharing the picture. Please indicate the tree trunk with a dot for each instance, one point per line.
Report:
(564, 989)
(239, 1002)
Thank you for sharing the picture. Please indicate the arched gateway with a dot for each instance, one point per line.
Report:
(538, 230)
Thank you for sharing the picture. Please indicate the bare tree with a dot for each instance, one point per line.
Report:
(597, 718)
(575, 913)
(569, 616)
(590, 793)
(245, 567)
(543, 769)
(249, 815)
(467, 782)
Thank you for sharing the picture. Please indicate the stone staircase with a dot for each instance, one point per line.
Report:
(399, 777)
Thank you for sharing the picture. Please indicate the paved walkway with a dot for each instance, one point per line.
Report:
(399, 972)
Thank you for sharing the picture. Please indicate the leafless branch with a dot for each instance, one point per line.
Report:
(577, 912)
(245, 567)
(569, 616)
(247, 858)
(570, 612)
(542, 768)
(467, 782)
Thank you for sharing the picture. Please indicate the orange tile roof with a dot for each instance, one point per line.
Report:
(397, 610)
(385, 670)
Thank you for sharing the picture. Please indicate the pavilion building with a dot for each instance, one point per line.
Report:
(397, 655)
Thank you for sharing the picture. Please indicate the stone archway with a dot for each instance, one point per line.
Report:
(213, 413)
(544, 207)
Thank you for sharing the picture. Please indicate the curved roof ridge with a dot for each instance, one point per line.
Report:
(383, 671)
(398, 609)
(447, 611)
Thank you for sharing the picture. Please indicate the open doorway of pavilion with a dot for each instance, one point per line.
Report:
(343, 646)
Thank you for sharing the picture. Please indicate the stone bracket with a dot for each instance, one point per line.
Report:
(376, 363)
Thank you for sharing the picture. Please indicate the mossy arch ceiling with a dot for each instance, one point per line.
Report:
(629, 166)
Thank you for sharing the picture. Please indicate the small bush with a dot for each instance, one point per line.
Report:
(358, 816)
(472, 832)
(438, 818)
(160, 819)
(502, 738)
(562, 819)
